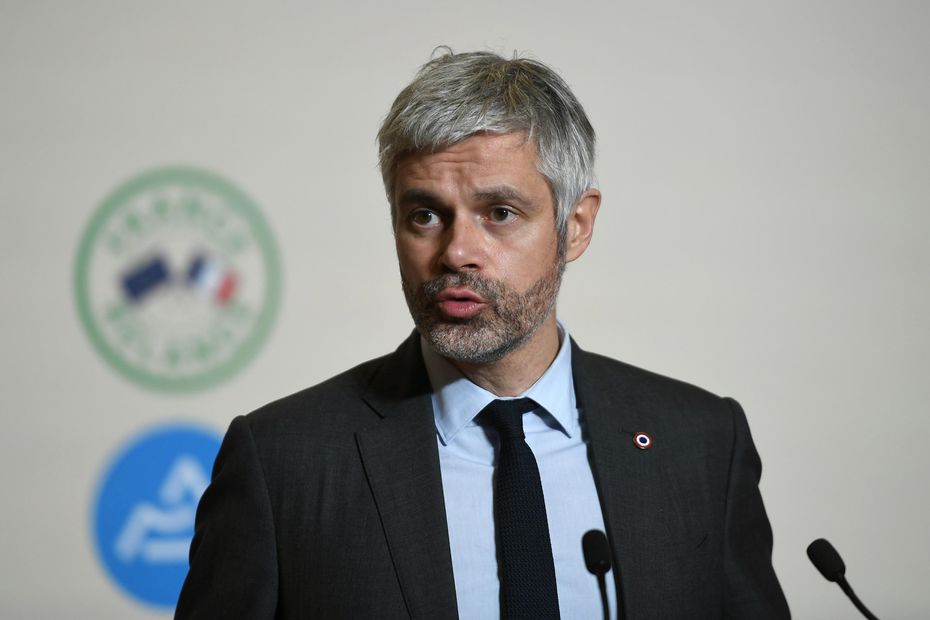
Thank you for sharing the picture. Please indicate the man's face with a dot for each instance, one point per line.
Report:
(477, 245)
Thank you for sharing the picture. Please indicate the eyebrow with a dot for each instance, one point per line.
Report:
(419, 196)
(500, 193)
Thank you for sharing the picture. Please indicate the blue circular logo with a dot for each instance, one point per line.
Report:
(144, 514)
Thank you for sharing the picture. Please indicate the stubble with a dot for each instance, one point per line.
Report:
(510, 319)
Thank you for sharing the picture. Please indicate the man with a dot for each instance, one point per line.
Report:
(456, 476)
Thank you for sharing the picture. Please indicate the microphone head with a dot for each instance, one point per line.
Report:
(826, 559)
(596, 552)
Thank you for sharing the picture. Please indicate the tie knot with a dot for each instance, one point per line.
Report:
(506, 416)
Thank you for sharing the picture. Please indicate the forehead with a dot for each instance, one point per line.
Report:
(486, 159)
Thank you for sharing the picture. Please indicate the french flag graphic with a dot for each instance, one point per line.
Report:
(210, 278)
(144, 278)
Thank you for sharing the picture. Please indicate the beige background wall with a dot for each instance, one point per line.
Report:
(766, 173)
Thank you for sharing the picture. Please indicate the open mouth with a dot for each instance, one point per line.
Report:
(460, 303)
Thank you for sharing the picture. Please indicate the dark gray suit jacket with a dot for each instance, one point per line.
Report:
(328, 503)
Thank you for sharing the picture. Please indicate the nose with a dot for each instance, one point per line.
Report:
(464, 248)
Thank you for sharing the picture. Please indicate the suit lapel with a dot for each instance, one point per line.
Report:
(401, 461)
(637, 492)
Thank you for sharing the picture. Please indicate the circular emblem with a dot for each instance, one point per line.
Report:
(642, 441)
(177, 279)
(143, 517)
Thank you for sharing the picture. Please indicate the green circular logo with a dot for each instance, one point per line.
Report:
(177, 279)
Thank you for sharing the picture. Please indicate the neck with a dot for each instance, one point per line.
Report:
(514, 373)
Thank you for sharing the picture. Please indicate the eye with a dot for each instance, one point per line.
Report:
(500, 215)
(424, 217)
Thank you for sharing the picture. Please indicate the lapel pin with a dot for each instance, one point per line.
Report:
(642, 441)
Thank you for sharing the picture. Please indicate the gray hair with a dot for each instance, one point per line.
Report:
(455, 96)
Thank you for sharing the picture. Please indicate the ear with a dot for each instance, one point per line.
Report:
(581, 224)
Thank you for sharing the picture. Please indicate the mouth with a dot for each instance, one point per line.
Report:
(460, 303)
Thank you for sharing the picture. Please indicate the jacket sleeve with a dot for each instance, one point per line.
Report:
(752, 589)
(233, 560)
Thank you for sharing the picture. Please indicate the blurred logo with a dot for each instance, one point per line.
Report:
(177, 279)
(144, 512)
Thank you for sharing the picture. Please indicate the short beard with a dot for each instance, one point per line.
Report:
(510, 319)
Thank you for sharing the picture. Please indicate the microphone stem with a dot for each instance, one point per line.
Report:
(855, 599)
(602, 586)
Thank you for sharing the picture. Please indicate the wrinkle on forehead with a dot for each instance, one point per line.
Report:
(482, 167)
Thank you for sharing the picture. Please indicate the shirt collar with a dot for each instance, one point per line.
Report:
(456, 400)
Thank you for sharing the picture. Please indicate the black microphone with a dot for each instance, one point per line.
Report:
(597, 559)
(831, 566)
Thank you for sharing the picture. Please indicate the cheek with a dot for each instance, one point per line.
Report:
(414, 258)
(516, 271)
(529, 262)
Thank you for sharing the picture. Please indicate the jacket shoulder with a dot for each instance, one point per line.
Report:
(608, 371)
(335, 405)
(650, 397)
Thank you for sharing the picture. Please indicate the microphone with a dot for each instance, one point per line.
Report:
(831, 566)
(597, 559)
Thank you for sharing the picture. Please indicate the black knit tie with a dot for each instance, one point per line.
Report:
(527, 574)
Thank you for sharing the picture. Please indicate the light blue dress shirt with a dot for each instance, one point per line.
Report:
(466, 458)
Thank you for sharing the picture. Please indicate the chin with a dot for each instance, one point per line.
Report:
(460, 342)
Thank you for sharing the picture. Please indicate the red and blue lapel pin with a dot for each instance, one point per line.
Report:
(642, 441)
